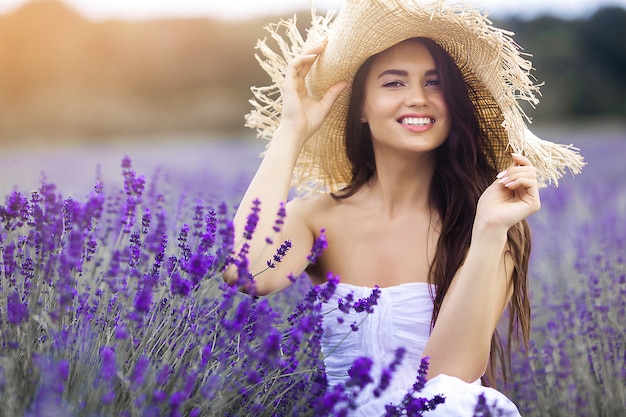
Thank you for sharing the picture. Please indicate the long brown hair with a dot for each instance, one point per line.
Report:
(465, 167)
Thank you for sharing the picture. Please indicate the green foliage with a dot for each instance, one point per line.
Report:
(581, 62)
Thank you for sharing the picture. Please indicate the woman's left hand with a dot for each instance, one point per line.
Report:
(512, 197)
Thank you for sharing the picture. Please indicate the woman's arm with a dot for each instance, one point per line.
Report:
(460, 342)
(301, 118)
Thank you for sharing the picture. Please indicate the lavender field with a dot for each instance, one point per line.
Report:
(111, 300)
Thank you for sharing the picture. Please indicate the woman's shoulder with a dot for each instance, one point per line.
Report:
(316, 208)
(316, 203)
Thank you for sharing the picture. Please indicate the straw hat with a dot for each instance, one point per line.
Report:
(494, 70)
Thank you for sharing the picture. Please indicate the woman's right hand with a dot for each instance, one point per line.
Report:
(302, 114)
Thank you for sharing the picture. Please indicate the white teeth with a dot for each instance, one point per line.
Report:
(417, 121)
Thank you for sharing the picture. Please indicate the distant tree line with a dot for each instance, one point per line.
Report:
(61, 74)
(582, 62)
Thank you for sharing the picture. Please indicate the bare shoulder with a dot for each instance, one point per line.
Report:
(311, 207)
(316, 212)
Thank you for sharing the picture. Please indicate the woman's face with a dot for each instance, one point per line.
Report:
(404, 104)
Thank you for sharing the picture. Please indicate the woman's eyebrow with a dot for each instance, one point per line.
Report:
(403, 73)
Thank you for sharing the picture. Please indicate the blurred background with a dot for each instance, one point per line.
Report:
(78, 75)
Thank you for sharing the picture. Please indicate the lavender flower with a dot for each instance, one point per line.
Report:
(139, 372)
(482, 409)
(107, 355)
(8, 261)
(359, 373)
(412, 404)
(319, 245)
(367, 304)
(280, 254)
(387, 373)
(208, 238)
(146, 219)
(17, 311)
(252, 220)
(143, 299)
(280, 218)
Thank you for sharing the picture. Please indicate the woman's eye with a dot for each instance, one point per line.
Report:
(393, 84)
(433, 83)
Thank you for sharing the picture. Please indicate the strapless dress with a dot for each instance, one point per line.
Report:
(401, 318)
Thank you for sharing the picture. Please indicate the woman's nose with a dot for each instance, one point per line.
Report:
(416, 96)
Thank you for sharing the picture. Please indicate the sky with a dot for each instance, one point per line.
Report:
(242, 9)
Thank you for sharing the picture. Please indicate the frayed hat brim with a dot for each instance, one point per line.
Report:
(496, 72)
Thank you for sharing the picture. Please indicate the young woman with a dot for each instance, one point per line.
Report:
(401, 128)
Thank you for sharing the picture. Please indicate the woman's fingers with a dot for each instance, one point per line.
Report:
(521, 172)
(512, 174)
(300, 109)
(299, 67)
(333, 93)
(512, 197)
(316, 49)
(521, 178)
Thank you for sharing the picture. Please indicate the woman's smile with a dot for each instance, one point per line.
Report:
(416, 123)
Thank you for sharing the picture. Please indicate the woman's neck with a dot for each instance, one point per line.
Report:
(401, 185)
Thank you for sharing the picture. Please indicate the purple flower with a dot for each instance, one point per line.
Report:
(253, 377)
(69, 211)
(8, 259)
(16, 208)
(359, 372)
(107, 356)
(252, 220)
(387, 373)
(143, 299)
(17, 311)
(319, 245)
(108, 397)
(146, 219)
(226, 232)
(198, 217)
(182, 242)
(280, 218)
(241, 316)
(126, 162)
(139, 372)
(345, 304)
(331, 286)
(198, 266)
(421, 375)
(121, 331)
(179, 286)
(272, 343)
(91, 247)
(280, 254)
(208, 238)
(482, 409)
(367, 304)
(159, 395)
(327, 404)
(176, 400)
(412, 404)
(135, 249)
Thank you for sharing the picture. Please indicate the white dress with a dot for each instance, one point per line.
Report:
(401, 318)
